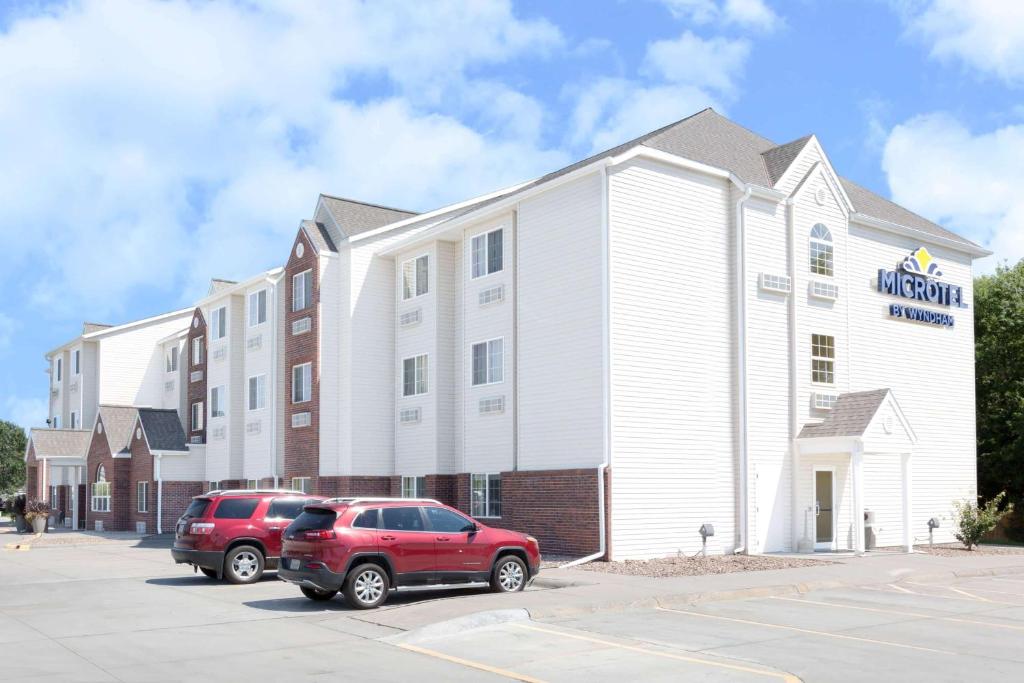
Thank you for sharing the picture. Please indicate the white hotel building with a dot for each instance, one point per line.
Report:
(697, 327)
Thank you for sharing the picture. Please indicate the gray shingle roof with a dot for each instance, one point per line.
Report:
(118, 422)
(163, 429)
(356, 217)
(850, 417)
(60, 442)
(217, 284)
(778, 159)
(318, 235)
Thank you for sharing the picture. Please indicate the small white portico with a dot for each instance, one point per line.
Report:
(60, 461)
(863, 451)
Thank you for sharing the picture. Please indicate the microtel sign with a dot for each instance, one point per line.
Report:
(916, 279)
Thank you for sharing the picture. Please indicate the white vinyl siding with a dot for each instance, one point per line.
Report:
(414, 375)
(302, 383)
(257, 308)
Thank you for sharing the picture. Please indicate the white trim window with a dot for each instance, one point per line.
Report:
(823, 359)
(74, 420)
(415, 277)
(197, 351)
(142, 496)
(76, 361)
(219, 323)
(485, 495)
(257, 392)
(99, 501)
(197, 416)
(414, 487)
(218, 406)
(171, 359)
(822, 252)
(59, 369)
(488, 362)
(302, 382)
(488, 253)
(302, 290)
(414, 375)
(304, 484)
(56, 421)
(257, 308)
(251, 484)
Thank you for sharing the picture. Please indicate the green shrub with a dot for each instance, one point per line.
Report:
(973, 521)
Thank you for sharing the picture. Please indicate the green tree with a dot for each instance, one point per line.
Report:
(973, 521)
(999, 378)
(12, 453)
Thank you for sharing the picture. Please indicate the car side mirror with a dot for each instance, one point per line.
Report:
(472, 527)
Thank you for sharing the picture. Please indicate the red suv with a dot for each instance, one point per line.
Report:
(366, 546)
(236, 534)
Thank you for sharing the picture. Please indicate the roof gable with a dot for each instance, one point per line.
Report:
(851, 415)
(777, 160)
(354, 217)
(118, 423)
(58, 443)
(162, 429)
(318, 236)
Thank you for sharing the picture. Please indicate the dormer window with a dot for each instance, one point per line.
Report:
(821, 251)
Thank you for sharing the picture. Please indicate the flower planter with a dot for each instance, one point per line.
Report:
(39, 524)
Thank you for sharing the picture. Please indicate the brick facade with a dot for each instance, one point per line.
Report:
(196, 390)
(339, 487)
(31, 473)
(302, 444)
(118, 473)
(176, 497)
(141, 470)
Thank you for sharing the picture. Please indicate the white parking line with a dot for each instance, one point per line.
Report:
(470, 663)
(900, 613)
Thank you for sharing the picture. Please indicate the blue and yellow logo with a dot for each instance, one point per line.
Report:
(921, 263)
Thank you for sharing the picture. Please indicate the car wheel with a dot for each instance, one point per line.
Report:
(243, 564)
(509, 575)
(318, 595)
(212, 573)
(366, 586)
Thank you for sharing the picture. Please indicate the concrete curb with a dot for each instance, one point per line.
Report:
(451, 627)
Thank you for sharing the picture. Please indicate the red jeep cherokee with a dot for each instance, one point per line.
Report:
(365, 546)
(236, 534)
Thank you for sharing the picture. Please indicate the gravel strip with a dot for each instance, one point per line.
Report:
(697, 566)
(958, 550)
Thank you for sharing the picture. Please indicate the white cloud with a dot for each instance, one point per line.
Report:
(749, 14)
(987, 35)
(712, 63)
(969, 182)
(25, 412)
(158, 144)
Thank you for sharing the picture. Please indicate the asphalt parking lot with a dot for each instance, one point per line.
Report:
(123, 611)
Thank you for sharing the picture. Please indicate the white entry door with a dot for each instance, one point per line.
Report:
(824, 509)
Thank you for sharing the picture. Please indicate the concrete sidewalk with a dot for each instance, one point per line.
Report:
(572, 592)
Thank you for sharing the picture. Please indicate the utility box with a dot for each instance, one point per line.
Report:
(869, 530)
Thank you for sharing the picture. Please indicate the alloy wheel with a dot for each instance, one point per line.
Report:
(245, 565)
(510, 576)
(369, 586)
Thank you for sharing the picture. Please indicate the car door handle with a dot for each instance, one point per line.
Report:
(387, 538)
(443, 539)
(273, 528)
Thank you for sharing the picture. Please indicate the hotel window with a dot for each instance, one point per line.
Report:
(302, 290)
(142, 496)
(56, 421)
(214, 485)
(258, 392)
(823, 359)
(172, 359)
(74, 420)
(488, 253)
(197, 416)
(100, 499)
(303, 484)
(60, 367)
(252, 485)
(486, 495)
(217, 403)
(197, 351)
(414, 487)
(488, 362)
(822, 255)
(257, 308)
(414, 376)
(302, 383)
(76, 361)
(219, 323)
(415, 273)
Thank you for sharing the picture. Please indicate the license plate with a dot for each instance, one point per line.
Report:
(292, 563)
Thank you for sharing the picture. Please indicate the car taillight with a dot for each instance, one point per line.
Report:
(318, 534)
(201, 528)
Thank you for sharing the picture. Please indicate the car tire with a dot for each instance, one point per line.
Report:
(243, 564)
(316, 594)
(212, 573)
(509, 575)
(366, 586)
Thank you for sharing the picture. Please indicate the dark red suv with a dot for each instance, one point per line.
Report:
(366, 546)
(236, 534)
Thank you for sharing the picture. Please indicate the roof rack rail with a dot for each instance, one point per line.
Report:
(232, 492)
(356, 500)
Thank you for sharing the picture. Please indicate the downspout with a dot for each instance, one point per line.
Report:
(741, 370)
(602, 471)
(273, 381)
(797, 517)
(515, 341)
(159, 495)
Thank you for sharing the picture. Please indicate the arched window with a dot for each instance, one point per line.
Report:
(822, 255)
(100, 499)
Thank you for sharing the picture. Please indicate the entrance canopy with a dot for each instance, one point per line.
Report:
(864, 424)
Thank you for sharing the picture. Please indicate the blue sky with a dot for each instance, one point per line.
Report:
(148, 146)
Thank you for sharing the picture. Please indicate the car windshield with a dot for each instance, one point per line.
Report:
(313, 518)
(197, 508)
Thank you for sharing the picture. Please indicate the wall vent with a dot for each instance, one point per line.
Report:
(220, 353)
(196, 376)
(410, 318)
(302, 325)
(492, 295)
(824, 290)
(196, 439)
(73, 386)
(252, 427)
(169, 385)
(254, 343)
(492, 405)
(824, 400)
(302, 419)
(219, 433)
(779, 284)
(409, 416)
